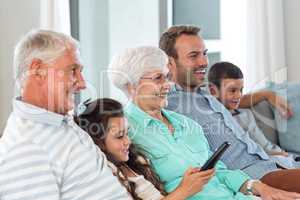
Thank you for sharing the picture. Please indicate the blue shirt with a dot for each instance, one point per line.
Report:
(219, 126)
(172, 154)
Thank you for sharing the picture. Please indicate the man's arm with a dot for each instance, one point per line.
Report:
(27, 174)
(278, 102)
(267, 192)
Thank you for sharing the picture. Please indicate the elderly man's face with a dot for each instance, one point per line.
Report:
(189, 68)
(62, 81)
(152, 90)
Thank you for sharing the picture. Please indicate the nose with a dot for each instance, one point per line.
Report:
(238, 94)
(79, 81)
(127, 141)
(166, 84)
(202, 60)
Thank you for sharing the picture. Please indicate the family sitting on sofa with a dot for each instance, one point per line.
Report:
(154, 146)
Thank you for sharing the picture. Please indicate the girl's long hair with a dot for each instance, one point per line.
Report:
(94, 120)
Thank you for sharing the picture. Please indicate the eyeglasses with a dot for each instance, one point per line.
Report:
(159, 78)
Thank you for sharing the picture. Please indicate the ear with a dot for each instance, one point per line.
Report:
(172, 68)
(130, 89)
(213, 89)
(35, 69)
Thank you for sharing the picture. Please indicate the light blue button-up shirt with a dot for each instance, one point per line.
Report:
(219, 126)
(172, 154)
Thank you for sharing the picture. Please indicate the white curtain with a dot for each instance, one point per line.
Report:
(265, 43)
(253, 38)
(55, 15)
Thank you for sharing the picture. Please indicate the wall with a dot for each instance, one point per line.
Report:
(292, 38)
(132, 23)
(16, 18)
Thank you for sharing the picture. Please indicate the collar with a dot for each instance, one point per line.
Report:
(144, 118)
(235, 112)
(37, 114)
(176, 87)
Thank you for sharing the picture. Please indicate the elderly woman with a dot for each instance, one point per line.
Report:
(171, 141)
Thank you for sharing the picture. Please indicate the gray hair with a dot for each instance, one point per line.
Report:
(129, 66)
(39, 44)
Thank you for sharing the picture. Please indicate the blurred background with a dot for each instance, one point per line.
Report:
(260, 36)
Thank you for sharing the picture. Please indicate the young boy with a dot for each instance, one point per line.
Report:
(226, 83)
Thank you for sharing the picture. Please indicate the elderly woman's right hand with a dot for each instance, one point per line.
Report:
(193, 181)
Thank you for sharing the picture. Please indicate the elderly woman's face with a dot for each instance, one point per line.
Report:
(152, 90)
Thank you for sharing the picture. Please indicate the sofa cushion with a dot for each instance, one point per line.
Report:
(289, 130)
(264, 117)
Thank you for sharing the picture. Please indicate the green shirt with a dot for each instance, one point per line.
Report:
(171, 154)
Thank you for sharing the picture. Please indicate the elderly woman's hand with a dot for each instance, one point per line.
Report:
(194, 180)
(269, 193)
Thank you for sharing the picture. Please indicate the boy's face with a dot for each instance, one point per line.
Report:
(229, 93)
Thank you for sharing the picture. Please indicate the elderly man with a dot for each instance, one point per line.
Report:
(43, 154)
(188, 64)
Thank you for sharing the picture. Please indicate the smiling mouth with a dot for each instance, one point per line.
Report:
(162, 95)
(126, 151)
(201, 70)
(235, 102)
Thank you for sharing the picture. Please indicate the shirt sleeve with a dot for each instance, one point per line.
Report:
(234, 179)
(26, 174)
(258, 136)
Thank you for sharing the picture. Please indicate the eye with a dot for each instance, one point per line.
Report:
(120, 137)
(193, 56)
(73, 71)
(158, 77)
(232, 90)
(205, 52)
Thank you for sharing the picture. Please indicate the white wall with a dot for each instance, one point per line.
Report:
(292, 38)
(132, 23)
(16, 18)
(19, 16)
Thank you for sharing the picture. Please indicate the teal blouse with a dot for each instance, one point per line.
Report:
(171, 154)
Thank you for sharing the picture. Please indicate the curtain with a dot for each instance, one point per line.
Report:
(55, 15)
(253, 39)
(265, 43)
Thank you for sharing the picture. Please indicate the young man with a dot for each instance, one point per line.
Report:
(188, 63)
(43, 154)
(226, 83)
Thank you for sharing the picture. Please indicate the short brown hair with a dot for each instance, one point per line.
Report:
(168, 39)
(223, 70)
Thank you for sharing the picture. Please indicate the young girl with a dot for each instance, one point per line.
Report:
(104, 121)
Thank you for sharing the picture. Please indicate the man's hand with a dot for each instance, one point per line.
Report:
(269, 193)
(280, 104)
(279, 153)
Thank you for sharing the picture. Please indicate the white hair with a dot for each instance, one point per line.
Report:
(40, 44)
(129, 66)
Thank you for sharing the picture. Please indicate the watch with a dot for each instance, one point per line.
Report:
(249, 186)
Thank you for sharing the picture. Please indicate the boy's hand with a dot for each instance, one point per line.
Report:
(280, 104)
(280, 153)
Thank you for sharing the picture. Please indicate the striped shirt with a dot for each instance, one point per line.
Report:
(44, 155)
